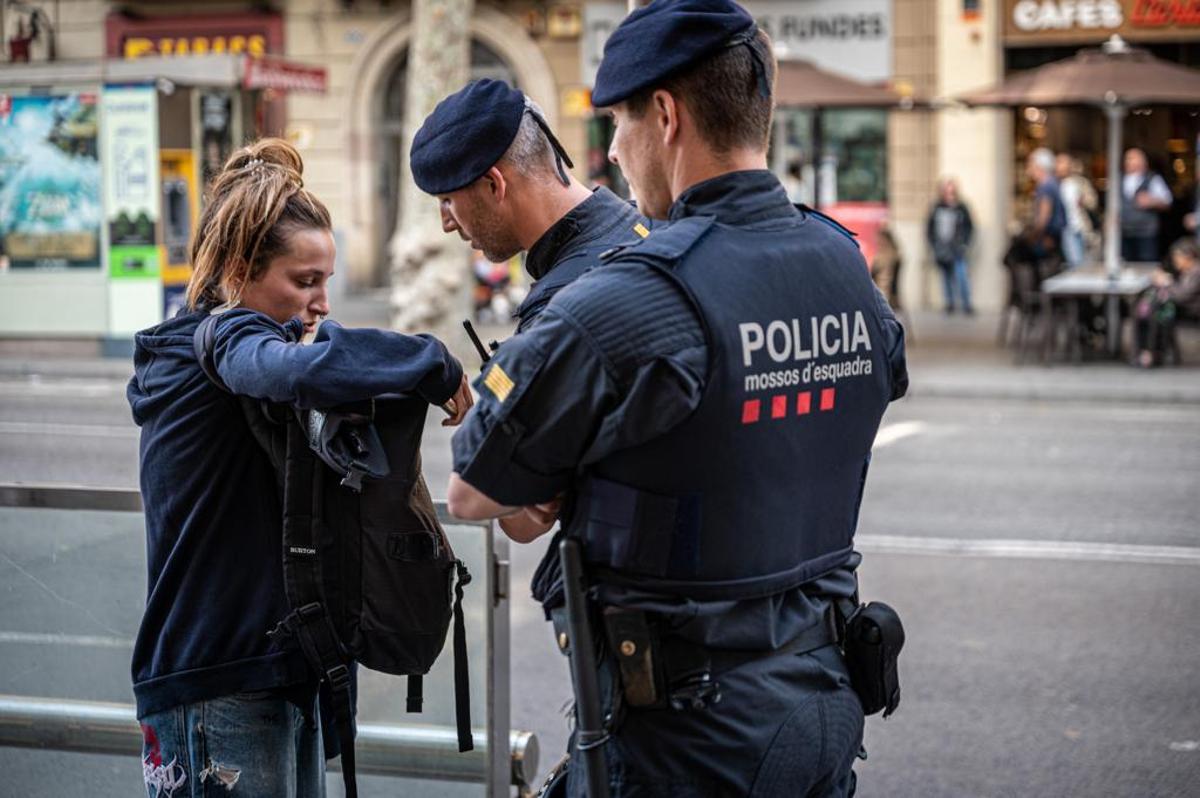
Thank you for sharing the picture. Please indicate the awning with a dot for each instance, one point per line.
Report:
(1110, 75)
(801, 84)
(216, 70)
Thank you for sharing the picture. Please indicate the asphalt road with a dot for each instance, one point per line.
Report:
(1045, 557)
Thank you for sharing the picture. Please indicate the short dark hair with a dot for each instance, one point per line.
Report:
(1187, 247)
(722, 93)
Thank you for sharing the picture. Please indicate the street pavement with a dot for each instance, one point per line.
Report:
(1038, 527)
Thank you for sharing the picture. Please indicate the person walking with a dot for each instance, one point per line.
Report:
(706, 402)
(222, 703)
(949, 230)
(1080, 202)
(1144, 198)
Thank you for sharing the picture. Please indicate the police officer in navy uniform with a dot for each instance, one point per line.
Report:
(489, 156)
(707, 400)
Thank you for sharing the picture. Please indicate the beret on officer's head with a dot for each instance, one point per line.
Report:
(662, 38)
(467, 133)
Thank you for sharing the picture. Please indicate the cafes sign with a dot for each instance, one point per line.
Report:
(1048, 22)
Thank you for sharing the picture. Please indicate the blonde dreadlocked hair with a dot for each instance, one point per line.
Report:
(253, 206)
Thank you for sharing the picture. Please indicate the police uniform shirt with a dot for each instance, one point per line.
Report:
(617, 359)
(573, 245)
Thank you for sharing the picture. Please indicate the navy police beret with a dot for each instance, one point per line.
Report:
(465, 135)
(659, 39)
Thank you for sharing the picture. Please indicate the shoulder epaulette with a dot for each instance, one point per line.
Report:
(830, 221)
(667, 243)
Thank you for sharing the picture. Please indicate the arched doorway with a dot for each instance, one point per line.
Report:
(501, 48)
(390, 143)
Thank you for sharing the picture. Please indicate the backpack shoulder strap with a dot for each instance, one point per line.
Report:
(202, 345)
(309, 619)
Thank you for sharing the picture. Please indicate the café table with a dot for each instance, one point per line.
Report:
(1091, 281)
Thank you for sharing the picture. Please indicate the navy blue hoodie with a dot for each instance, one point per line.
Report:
(213, 518)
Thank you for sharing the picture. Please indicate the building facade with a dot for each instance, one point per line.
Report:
(868, 167)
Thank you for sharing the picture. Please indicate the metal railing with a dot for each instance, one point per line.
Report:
(422, 752)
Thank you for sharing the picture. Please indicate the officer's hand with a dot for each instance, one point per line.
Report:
(545, 513)
(522, 528)
(459, 404)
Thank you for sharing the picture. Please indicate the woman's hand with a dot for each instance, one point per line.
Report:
(458, 405)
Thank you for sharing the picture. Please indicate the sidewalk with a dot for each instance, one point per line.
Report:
(957, 357)
(949, 357)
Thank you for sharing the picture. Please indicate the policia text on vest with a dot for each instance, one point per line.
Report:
(806, 340)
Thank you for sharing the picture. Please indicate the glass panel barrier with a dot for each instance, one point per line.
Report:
(73, 584)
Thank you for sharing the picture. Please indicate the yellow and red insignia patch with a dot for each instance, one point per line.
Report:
(498, 382)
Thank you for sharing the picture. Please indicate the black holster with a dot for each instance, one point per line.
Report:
(872, 641)
(662, 670)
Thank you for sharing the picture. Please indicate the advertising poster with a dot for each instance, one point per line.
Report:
(50, 204)
(132, 188)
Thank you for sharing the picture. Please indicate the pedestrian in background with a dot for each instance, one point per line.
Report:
(1144, 198)
(795, 185)
(221, 702)
(1080, 203)
(1173, 297)
(1044, 231)
(949, 231)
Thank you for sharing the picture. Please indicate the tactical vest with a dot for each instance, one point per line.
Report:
(1138, 222)
(758, 491)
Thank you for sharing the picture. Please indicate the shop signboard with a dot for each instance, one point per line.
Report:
(131, 185)
(50, 210)
(253, 34)
(1050, 22)
(281, 75)
(851, 37)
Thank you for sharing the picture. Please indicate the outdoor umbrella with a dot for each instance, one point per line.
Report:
(801, 84)
(1114, 77)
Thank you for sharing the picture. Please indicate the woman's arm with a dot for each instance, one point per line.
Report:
(255, 356)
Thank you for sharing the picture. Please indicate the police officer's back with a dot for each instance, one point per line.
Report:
(708, 400)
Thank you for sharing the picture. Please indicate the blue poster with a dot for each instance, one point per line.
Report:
(50, 206)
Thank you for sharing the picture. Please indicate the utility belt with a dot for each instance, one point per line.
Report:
(665, 671)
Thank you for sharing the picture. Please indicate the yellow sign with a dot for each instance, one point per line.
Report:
(74, 246)
(498, 382)
(577, 102)
(564, 22)
(254, 44)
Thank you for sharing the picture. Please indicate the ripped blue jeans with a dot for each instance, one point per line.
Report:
(257, 745)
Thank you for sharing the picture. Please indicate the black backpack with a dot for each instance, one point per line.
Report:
(368, 570)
